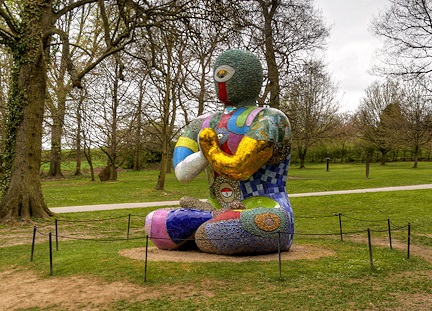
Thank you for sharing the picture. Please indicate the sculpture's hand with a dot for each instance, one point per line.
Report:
(190, 167)
(251, 154)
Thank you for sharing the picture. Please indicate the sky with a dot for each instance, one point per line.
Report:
(351, 46)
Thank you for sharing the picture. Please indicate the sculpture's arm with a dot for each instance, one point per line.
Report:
(188, 160)
(251, 154)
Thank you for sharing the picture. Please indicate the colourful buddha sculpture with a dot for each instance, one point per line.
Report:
(245, 150)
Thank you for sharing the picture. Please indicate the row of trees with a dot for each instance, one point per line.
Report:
(125, 76)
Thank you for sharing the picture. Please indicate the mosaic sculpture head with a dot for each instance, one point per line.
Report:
(238, 76)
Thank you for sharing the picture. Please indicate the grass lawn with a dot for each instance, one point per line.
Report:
(139, 186)
(89, 258)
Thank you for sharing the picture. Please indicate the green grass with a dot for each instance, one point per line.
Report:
(130, 187)
(353, 176)
(343, 281)
(367, 210)
(139, 186)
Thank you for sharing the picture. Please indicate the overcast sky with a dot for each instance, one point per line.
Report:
(351, 45)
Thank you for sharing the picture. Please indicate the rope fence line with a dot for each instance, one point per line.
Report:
(365, 220)
(91, 220)
(314, 217)
(36, 230)
(143, 217)
(396, 226)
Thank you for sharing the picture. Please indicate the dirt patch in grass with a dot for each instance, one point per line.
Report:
(417, 302)
(24, 289)
(296, 252)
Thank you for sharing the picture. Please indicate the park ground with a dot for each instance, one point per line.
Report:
(25, 289)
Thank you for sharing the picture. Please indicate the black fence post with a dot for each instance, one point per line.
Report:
(327, 161)
(50, 254)
(56, 232)
(280, 257)
(409, 240)
(389, 233)
(145, 260)
(367, 165)
(128, 228)
(340, 226)
(370, 249)
(33, 243)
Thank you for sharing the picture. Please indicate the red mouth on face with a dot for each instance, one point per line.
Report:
(223, 94)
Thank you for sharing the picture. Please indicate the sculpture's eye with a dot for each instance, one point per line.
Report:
(223, 73)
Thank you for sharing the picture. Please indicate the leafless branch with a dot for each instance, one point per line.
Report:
(8, 18)
(72, 6)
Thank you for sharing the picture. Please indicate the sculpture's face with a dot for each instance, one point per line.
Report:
(238, 77)
(222, 74)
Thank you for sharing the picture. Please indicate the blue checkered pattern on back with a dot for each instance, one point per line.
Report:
(267, 180)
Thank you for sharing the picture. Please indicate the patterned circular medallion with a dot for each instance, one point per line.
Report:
(226, 191)
(267, 221)
(263, 221)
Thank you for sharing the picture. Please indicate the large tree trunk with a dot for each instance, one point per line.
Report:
(383, 160)
(110, 171)
(302, 156)
(416, 156)
(23, 198)
(160, 184)
(78, 157)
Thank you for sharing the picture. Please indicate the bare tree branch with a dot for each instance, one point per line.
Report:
(8, 18)
(406, 30)
(106, 25)
(73, 6)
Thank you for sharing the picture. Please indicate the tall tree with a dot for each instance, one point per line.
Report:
(417, 114)
(311, 108)
(379, 117)
(74, 23)
(167, 78)
(138, 128)
(113, 104)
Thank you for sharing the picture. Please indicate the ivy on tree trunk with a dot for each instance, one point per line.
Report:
(22, 197)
